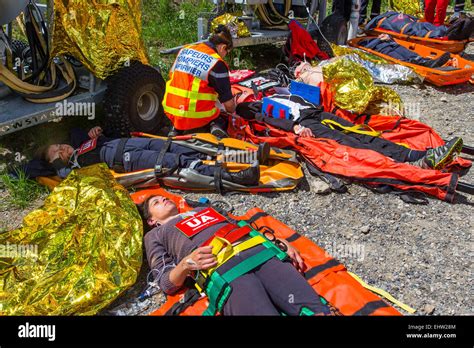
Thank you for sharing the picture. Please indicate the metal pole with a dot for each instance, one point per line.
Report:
(322, 11)
(354, 20)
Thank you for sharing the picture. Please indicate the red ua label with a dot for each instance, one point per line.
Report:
(87, 146)
(200, 221)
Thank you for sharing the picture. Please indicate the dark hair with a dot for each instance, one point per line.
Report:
(222, 36)
(145, 209)
(42, 153)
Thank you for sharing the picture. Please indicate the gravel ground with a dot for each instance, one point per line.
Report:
(421, 254)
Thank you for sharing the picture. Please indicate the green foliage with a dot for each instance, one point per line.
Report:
(21, 191)
(167, 25)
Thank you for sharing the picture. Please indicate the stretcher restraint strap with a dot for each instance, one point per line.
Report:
(219, 169)
(255, 217)
(380, 22)
(191, 296)
(295, 236)
(228, 277)
(161, 156)
(371, 307)
(384, 294)
(404, 27)
(218, 288)
(320, 268)
(118, 166)
(359, 129)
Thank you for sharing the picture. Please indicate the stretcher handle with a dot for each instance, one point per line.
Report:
(465, 187)
(468, 150)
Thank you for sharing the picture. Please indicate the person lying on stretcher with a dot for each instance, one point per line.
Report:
(460, 27)
(386, 45)
(308, 120)
(179, 247)
(134, 154)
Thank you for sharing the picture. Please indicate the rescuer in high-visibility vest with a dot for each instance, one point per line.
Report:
(199, 86)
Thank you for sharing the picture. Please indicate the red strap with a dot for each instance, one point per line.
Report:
(270, 109)
(230, 232)
(220, 233)
(235, 235)
(282, 113)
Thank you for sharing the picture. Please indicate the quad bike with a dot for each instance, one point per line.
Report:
(130, 98)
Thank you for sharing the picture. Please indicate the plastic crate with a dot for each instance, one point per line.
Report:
(275, 109)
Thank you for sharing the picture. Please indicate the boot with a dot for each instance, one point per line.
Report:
(440, 156)
(246, 177)
(218, 132)
(438, 62)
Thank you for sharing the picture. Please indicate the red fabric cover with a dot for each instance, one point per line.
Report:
(240, 75)
(302, 44)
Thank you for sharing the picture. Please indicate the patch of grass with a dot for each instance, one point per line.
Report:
(167, 25)
(21, 190)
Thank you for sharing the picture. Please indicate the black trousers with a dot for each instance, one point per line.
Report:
(359, 141)
(141, 153)
(270, 289)
(374, 12)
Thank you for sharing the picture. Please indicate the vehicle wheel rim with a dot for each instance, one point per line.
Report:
(148, 106)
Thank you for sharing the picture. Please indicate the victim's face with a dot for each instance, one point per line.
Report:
(160, 209)
(61, 151)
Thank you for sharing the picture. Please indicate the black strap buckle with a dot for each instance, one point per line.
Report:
(161, 156)
(118, 165)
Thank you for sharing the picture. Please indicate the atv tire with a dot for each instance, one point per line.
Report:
(133, 101)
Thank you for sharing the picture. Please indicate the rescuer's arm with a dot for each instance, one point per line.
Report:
(219, 80)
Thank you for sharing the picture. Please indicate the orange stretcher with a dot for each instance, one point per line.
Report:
(344, 291)
(453, 46)
(462, 69)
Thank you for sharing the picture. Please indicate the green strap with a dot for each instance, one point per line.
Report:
(280, 254)
(248, 265)
(306, 312)
(218, 288)
(220, 283)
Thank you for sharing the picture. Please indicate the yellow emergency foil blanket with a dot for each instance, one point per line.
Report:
(237, 27)
(411, 7)
(380, 69)
(77, 253)
(103, 35)
(354, 88)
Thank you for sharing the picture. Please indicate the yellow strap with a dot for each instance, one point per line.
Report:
(230, 250)
(359, 129)
(380, 22)
(403, 28)
(192, 95)
(384, 294)
(404, 145)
